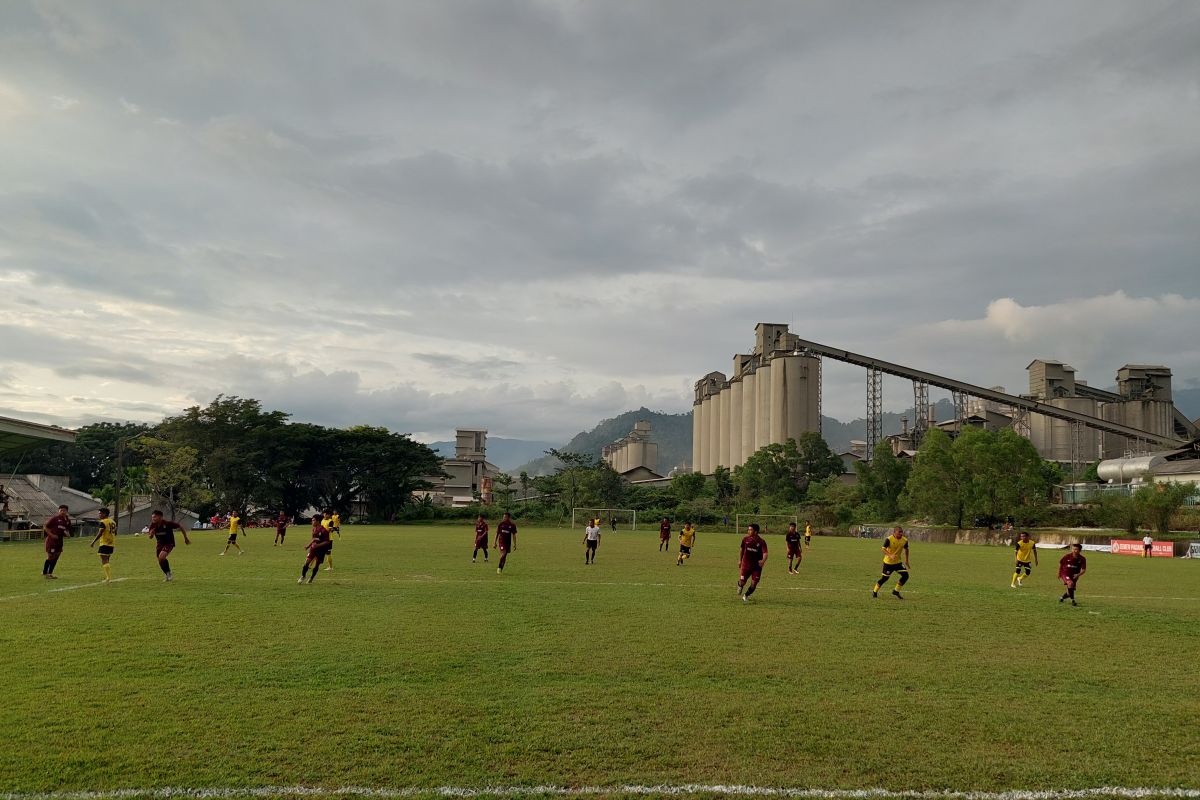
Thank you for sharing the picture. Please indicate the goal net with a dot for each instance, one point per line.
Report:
(626, 517)
(768, 523)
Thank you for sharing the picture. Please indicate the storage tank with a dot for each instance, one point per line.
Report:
(723, 427)
(1127, 470)
(696, 436)
(762, 420)
(705, 407)
(749, 414)
(714, 433)
(735, 423)
(635, 454)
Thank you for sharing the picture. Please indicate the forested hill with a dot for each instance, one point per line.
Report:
(673, 433)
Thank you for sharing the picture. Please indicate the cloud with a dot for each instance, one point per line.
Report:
(536, 213)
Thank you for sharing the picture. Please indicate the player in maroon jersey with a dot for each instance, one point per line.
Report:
(664, 536)
(506, 540)
(281, 526)
(55, 531)
(751, 561)
(792, 537)
(1070, 569)
(318, 547)
(481, 539)
(163, 531)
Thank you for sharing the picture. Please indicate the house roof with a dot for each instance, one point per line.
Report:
(17, 435)
(25, 499)
(1185, 467)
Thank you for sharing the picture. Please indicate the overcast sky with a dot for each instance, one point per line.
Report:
(529, 216)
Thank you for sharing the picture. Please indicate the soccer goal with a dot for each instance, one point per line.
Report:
(626, 517)
(769, 523)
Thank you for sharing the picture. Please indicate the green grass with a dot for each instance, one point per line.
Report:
(410, 666)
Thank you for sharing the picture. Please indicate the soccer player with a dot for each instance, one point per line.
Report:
(792, 537)
(591, 540)
(751, 561)
(1070, 569)
(481, 539)
(1147, 546)
(163, 531)
(281, 526)
(235, 522)
(506, 540)
(613, 523)
(664, 535)
(807, 534)
(336, 526)
(687, 538)
(55, 531)
(107, 537)
(1026, 557)
(895, 551)
(317, 548)
(327, 524)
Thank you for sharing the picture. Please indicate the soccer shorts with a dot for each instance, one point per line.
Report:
(888, 569)
(685, 550)
(105, 550)
(591, 544)
(1027, 566)
(751, 572)
(233, 538)
(164, 550)
(793, 550)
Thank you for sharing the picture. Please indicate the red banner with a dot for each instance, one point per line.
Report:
(1134, 547)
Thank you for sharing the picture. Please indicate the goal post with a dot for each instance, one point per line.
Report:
(626, 517)
(770, 523)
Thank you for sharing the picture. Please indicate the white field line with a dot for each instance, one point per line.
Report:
(60, 589)
(738, 790)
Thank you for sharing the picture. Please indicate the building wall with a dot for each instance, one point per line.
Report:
(725, 405)
(735, 422)
(749, 414)
(1052, 437)
(697, 439)
(762, 421)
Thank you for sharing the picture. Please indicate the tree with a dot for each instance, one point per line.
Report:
(172, 473)
(88, 463)
(1157, 503)
(932, 489)
(782, 472)
(688, 485)
(231, 436)
(573, 467)
(881, 483)
(602, 486)
(1117, 510)
(504, 490)
(724, 486)
(525, 482)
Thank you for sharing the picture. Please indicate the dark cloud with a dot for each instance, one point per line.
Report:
(569, 209)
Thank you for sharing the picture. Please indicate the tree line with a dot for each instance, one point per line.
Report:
(234, 455)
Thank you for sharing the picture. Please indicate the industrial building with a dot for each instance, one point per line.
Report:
(468, 476)
(772, 394)
(634, 456)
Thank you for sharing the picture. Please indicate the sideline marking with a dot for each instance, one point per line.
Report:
(60, 589)
(217, 793)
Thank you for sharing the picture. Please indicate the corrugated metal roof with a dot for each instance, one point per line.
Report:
(27, 500)
(1179, 467)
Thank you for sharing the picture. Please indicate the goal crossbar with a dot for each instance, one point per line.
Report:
(626, 517)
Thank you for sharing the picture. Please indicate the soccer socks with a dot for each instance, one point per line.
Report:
(1016, 577)
(751, 588)
(165, 566)
(503, 558)
(47, 567)
(107, 568)
(903, 578)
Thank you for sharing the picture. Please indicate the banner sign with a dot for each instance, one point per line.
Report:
(1134, 547)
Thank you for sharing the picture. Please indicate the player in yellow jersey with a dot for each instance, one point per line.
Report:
(807, 534)
(107, 537)
(895, 559)
(687, 538)
(235, 523)
(336, 524)
(327, 517)
(1026, 557)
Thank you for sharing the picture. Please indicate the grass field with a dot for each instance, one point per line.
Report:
(409, 666)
